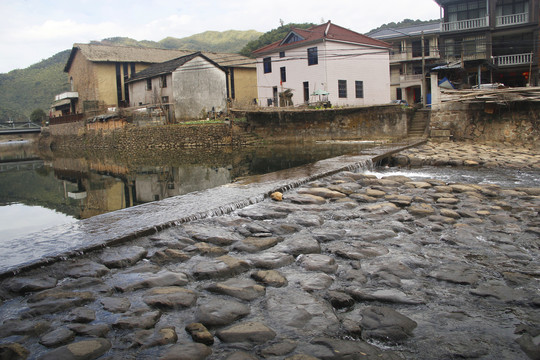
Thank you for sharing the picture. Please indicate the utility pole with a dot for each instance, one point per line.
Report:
(424, 102)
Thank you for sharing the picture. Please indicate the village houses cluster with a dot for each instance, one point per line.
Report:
(476, 43)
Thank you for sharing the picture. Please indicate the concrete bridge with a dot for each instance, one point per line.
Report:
(18, 128)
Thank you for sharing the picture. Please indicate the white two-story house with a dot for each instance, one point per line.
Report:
(328, 61)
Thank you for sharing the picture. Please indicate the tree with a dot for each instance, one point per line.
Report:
(271, 36)
(37, 116)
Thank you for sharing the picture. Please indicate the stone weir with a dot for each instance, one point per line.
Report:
(345, 266)
(71, 240)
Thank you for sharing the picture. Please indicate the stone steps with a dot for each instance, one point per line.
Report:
(419, 123)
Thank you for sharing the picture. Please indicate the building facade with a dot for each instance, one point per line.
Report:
(490, 41)
(325, 62)
(415, 50)
(188, 87)
(99, 73)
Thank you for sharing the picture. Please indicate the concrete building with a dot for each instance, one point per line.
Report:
(185, 88)
(410, 59)
(99, 73)
(490, 41)
(324, 62)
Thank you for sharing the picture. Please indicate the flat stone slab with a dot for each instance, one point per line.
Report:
(301, 243)
(270, 278)
(223, 266)
(170, 297)
(271, 260)
(219, 312)
(256, 244)
(250, 332)
(244, 289)
(85, 349)
(193, 351)
(212, 235)
(318, 262)
(322, 192)
(122, 256)
(386, 324)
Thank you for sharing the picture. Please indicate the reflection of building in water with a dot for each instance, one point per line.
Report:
(156, 183)
(98, 188)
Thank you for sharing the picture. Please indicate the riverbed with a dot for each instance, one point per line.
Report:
(347, 266)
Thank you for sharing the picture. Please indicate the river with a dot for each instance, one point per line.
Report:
(38, 191)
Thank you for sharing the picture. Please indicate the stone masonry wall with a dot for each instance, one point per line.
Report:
(363, 123)
(131, 137)
(517, 123)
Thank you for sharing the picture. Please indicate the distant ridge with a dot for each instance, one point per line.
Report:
(24, 90)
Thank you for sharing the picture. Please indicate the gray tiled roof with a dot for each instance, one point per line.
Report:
(118, 53)
(168, 67)
(416, 30)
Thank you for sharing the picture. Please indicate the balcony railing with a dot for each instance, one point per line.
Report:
(513, 19)
(512, 60)
(410, 78)
(465, 24)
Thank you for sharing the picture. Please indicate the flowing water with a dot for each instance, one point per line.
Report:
(42, 197)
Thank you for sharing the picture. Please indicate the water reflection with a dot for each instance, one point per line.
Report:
(85, 185)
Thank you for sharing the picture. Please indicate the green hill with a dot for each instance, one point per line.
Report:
(25, 90)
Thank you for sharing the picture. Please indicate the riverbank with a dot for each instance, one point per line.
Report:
(346, 266)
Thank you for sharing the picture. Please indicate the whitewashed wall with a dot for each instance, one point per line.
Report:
(139, 95)
(370, 66)
(197, 87)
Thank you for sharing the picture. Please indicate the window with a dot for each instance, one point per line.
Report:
(164, 99)
(148, 84)
(359, 87)
(283, 73)
(511, 7)
(306, 91)
(282, 54)
(292, 38)
(467, 10)
(417, 48)
(313, 57)
(342, 88)
(267, 65)
(164, 81)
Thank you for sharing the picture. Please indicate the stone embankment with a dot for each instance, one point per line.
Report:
(470, 154)
(347, 267)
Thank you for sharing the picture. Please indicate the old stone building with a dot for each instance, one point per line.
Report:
(98, 73)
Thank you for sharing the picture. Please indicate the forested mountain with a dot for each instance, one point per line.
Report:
(25, 90)
(402, 24)
(272, 36)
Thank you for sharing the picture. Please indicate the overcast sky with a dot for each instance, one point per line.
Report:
(33, 30)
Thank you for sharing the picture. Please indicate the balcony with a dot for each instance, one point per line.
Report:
(67, 95)
(513, 19)
(465, 24)
(410, 80)
(512, 60)
(399, 56)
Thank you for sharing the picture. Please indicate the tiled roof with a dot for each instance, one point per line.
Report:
(168, 67)
(326, 31)
(117, 53)
(416, 30)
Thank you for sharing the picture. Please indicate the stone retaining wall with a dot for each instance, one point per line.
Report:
(132, 138)
(363, 123)
(515, 123)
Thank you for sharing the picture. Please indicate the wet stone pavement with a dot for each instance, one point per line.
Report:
(347, 267)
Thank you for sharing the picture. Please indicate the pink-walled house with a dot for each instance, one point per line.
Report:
(353, 69)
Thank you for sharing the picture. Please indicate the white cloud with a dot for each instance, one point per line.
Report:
(35, 30)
